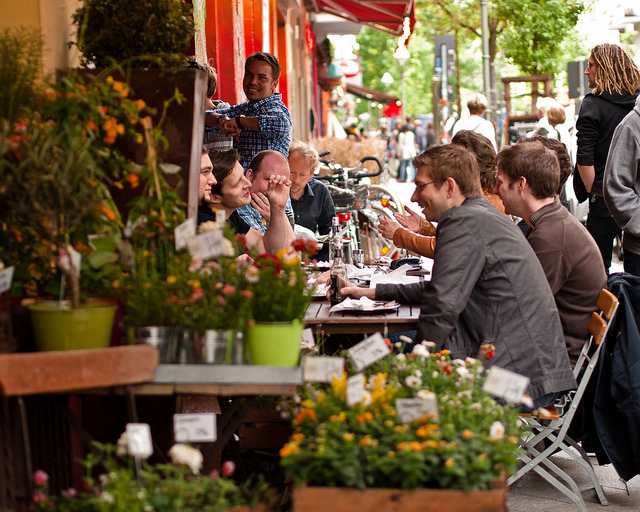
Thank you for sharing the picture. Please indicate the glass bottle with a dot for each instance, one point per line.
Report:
(338, 273)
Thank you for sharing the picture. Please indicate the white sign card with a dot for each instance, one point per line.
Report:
(506, 384)
(412, 409)
(139, 440)
(195, 428)
(184, 232)
(207, 245)
(322, 369)
(308, 340)
(6, 278)
(368, 351)
(355, 389)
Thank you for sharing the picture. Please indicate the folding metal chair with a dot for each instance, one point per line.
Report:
(552, 429)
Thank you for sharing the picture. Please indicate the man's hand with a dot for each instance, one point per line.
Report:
(278, 192)
(230, 126)
(261, 203)
(387, 227)
(410, 220)
(357, 292)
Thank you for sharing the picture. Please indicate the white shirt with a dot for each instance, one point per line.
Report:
(479, 125)
(406, 145)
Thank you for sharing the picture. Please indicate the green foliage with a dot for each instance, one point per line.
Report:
(534, 42)
(471, 443)
(376, 57)
(120, 30)
(20, 63)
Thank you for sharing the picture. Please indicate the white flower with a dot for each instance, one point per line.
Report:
(401, 357)
(104, 479)
(429, 344)
(475, 406)
(496, 432)
(420, 351)
(141, 494)
(122, 448)
(470, 361)
(366, 398)
(148, 508)
(397, 344)
(107, 497)
(458, 362)
(412, 381)
(425, 394)
(418, 373)
(252, 274)
(465, 394)
(187, 455)
(435, 374)
(405, 339)
(463, 372)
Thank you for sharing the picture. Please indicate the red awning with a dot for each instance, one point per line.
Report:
(387, 15)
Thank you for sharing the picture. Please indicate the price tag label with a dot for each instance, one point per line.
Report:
(506, 384)
(139, 440)
(207, 245)
(322, 369)
(195, 428)
(6, 278)
(412, 409)
(184, 232)
(355, 389)
(368, 351)
(308, 341)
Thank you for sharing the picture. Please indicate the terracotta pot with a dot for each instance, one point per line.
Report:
(320, 499)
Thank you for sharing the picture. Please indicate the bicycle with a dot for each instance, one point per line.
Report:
(359, 205)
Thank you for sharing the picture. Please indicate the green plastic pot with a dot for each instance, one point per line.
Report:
(58, 326)
(274, 344)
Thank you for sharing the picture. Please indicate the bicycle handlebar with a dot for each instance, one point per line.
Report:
(353, 172)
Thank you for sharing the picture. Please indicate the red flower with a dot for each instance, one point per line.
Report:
(445, 367)
(228, 290)
(488, 350)
(40, 478)
(214, 475)
(388, 343)
(312, 247)
(40, 498)
(298, 244)
(228, 468)
(247, 294)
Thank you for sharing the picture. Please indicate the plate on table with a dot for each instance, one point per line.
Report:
(364, 305)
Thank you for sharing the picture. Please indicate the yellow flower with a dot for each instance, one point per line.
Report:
(109, 80)
(139, 138)
(391, 455)
(449, 463)
(140, 104)
(426, 430)
(304, 414)
(339, 385)
(120, 88)
(367, 441)
(364, 417)
(281, 253)
(430, 444)
(308, 404)
(146, 253)
(400, 429)
(115, 284)
(172, 279)
(409, 446)
(320, 397)
(194, 283)
(289, 449)
(348, 437)
(467, 434)
(298, 437)
(338, 418)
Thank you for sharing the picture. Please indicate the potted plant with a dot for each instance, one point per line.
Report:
(367, 453)
(144, 43)
(281, 295)
(113, 482)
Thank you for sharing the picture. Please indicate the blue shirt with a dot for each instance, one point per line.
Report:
(252, 217)
(275, 127)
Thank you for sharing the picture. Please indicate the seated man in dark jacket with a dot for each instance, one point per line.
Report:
(487, 285)
(528, 181)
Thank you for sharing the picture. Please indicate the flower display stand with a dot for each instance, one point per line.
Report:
(320, 499)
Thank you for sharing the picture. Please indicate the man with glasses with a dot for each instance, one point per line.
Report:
(487, 285)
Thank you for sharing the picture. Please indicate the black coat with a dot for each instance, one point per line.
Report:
(616, 407)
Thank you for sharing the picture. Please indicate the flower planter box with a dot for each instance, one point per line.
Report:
(321, 499)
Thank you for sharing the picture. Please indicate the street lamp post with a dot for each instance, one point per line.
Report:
(402, 57)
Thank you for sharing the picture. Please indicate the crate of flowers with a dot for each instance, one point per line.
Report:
(411, 432)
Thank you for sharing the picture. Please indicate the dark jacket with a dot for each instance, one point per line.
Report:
(616, 407)
(487, 286)
(573, 265)
(598, 118)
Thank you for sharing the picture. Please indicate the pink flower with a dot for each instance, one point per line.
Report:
(70, 493)
(247, 294)
(40, 478)
(195, 265)
(197, 294)
(40, 498)
(228, 468)
(228, 289)
(214, 475)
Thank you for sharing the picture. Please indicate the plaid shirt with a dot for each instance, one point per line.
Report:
(275, 127)
(252, 217)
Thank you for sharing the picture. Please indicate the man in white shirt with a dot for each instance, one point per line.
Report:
(477, 104)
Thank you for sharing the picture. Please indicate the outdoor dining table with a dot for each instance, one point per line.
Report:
(318, 318)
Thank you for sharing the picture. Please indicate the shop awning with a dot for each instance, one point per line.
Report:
(384, 15)
(370, 94)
